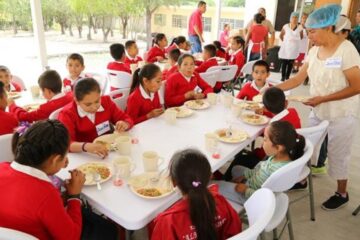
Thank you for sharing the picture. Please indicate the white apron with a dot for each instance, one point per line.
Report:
(290, 47)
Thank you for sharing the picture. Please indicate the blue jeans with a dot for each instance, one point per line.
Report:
(323, 153)
(195, 44)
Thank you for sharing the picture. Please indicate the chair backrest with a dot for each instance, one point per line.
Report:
(5, 148)
(120, 101)
(11, 234)
(211, 77)
(162, 92)
(227, 73)
(247, 68)
(119, 79)
(285, 177)
(101, 79)
(19, 81)
(259, 208)
(54, 115)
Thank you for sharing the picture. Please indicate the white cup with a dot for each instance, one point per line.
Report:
(151, 161)
(123, 167)
(227, 100)
(170, 116)
(123, 145)
(35, 91)
(236, 109)
(133, 67)
(212, 98)
(211, 141)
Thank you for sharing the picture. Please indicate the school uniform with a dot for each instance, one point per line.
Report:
(44, 111)
(69, 83)
(139, 104)
(168, 72)
(175, 223)
(177, 85)
(30, 203)
(250, 90)
(154, 52)
(205, 66)
(221, 54)
(118, 66)
(8, 122)
(171, 47)
(237, 58)
(130, 60)
(15, 87)
(85, 127)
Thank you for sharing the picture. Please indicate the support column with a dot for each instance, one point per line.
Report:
(217, 19)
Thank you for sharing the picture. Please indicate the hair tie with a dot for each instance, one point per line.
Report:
(196, 183)
(297, 140)
(22, 128)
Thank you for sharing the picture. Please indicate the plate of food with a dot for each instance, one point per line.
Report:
(90, 169)
(249, 105)
(145, 186)
(13, 95)
(298, 98)
(198, 104)
(32, 107)
(258, 98)
(254, 119)
(182, 112)
(108, 140)
(232, 135)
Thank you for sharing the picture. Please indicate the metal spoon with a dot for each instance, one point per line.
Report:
(157, 177)
(97, 179)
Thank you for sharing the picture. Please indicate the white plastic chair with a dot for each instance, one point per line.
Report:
(121, 101)
(11, 234)
(19, 81)
(162, 92)
(54, 115)
(5, 148)
(260, 208)
(227, 73)
(101, 79)
(211, 77)
(247, 68)
(119, 79)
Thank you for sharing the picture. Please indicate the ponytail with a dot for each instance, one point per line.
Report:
(298, 149)
(135, 80)
(148, 71)
(178, 40)
(158, 37)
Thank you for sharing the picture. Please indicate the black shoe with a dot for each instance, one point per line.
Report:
(335, 202)
(299, 186)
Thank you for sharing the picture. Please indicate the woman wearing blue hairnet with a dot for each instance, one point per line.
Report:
(333, 69)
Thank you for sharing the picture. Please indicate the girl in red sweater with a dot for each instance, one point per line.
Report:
(144, 100)
(91, 115)
(6, 78)
(202, 213)
(8, 120)
(237, 57)
(185, 84)
(157, 52)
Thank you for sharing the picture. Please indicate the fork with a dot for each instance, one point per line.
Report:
(97, 179)
(157, 178)
(229, 132)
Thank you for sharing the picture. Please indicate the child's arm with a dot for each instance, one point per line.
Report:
(118, 115)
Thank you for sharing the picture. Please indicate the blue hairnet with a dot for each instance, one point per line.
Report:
(325, 16)
(294, 14)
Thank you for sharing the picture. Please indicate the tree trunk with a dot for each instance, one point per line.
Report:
(80, 31)
(148, 28)
(93, 23)
(70, 30)
(106, 32)
(14, 24)
(62, 25)
(112, 33)
(124, 21)
(89, 24)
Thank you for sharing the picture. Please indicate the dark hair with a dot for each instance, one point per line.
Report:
(191, 172)
(76, 56)
(148, 71)
(182, 57)
(225, 25)
(239, 40)
(174, 54)
(178, 40)
(117, 51)
(51, 80)
(218, 46)
(4, 69)
(283, 133)
(2, 89)
(258, 18)
(158, 37)
(85, 86)
(211, 49)
(263, 64)
(200, 3)
(129, 43)
(42, 140)
(274, 100)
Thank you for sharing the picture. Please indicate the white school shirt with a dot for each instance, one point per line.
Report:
(290, 47)
(90, 116)
(325, 80)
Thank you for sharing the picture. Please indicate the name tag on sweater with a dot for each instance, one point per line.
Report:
(334, 62)
(102, 128)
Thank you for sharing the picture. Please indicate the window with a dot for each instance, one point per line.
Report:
(234, 23)
(179, 21)
(206, 24)
(160, 19)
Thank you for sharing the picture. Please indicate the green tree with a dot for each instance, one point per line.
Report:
(78, 10)
(18, 11)
(234, 3)
(127, 9)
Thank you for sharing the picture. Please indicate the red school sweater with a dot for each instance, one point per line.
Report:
(239, 60)
(168, 72)
(81, 129)
(118, 66)
(129, 61)
(248, 91)
(177, 86)
(8, 122)
(154, 52)
(43, 112)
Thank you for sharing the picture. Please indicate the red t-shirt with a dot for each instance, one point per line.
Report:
(8, 123)
(195, 20)
(258, 34)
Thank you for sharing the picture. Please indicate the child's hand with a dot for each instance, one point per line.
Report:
(259, 111)
(75, 183)
(10, 101)
(98, 149)
(199, 96)
(189, 95)
(121, 126)
(240, 187)
(155, 113)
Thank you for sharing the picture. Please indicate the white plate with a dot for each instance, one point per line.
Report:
(183, 112)
(254, 119)
(13, 95)
(31, 107)
(90, 168)
(237, 136)
(298, 98)
(109, 139)
(249, 105)
(197, 104)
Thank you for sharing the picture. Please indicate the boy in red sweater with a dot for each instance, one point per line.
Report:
(8, 121)
(50, 85)
(132, 52)
(117, 51)
(5, 77)
(174, 55)
(157, 52)
(260, 72)
(75, 66)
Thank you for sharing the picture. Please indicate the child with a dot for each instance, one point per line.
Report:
(173, 58)
(260, 72)
(117, 52)
(224, 35)
(282, 144)
(75, 66)
(220, 52)
(157, 52)
(5, 77)
(177, 43)
(29, 201)
(185, 84)
(202, 213)
(237, 57)
(144, 100)
(8, 121)
(50, 85)
(91, 115)
(132, 52)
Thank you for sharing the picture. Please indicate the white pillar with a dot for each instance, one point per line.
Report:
(38, 26)
(217, 18)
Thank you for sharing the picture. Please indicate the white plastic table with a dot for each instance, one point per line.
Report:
(133, 212)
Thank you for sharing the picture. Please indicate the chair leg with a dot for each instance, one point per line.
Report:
(275, 235)
(290, 228)
(357, 210)
(311, 195)
(262, 236)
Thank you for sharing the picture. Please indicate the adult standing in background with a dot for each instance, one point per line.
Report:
(266, 23)
(304, 44)
(355, 34)
(257, 39)
(224, 36)
(196, 28)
